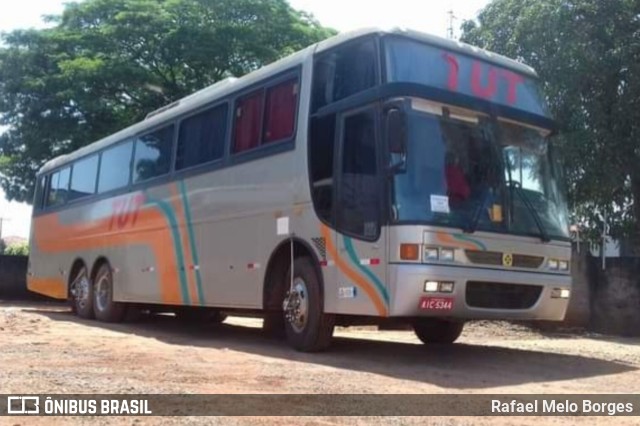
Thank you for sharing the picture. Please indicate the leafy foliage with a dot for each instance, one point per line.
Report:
(104, 64)
(587, 53)
(21, 249)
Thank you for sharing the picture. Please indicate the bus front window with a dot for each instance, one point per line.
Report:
(465, 171)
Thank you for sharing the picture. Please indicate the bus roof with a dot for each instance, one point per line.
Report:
(231, 85)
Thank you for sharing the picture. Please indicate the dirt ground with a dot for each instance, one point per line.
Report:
(45, 349)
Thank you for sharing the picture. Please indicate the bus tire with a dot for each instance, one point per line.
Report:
(435, 330)
(307, 327)
(81, 295)
(104, 308)
(273, 325)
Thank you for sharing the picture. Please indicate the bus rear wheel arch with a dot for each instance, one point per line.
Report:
(104, 307)
(437, 330)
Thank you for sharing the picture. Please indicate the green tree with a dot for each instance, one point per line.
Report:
(21, 249)
(587, 53)
(104, 64)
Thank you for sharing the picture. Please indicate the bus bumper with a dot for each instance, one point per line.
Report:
(478, 293)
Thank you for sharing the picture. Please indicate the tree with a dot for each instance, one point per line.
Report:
(587, 53)
(104, 64)
(18, 249)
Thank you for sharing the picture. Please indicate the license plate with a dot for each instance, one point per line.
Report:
(436, 303)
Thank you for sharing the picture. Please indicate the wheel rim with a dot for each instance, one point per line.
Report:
(81, 291)
(102, 293)
(298, 305)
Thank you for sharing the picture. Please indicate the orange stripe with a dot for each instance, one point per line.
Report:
(148, 228)
(186, 247)
(53, 287)
(443, 237)
(352, 274)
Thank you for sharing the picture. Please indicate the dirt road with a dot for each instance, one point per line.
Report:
(44, 349)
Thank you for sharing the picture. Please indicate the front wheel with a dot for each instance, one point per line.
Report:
(435, 330)
(307, 327)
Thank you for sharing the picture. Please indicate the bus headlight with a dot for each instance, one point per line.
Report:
(447, 254)
(430, 253)
(553, 264)
(563, 265)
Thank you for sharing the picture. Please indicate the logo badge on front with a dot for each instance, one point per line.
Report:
(507, 260)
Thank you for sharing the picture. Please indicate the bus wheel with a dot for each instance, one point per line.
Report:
(307, 327)
(82, 295)
(104, 307)
(435, 330)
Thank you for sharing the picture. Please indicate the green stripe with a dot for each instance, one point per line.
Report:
(463, 237)
(192, 239)
(348, 244)
(175, 234)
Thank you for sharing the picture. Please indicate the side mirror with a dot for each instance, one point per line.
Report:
(396, 138)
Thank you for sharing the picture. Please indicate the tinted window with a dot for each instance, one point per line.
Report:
(59, 187)
(248, 119)
(115, 167)
(344, 72)
(83, 177)
(280, 111)
(153, 154)
(321, 153)
(359, 191)
(38, 195)
(202, 138)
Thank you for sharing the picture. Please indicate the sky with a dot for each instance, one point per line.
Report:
(343, 15)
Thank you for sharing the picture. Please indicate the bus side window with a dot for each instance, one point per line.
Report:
(359, 192)
(247, 122)
(202, 137)
(321, 154)
(152, 156)
(83, 178)
(344, 72)
(59, 188)
(280, 111)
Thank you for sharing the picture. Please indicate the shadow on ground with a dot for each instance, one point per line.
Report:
(459, 366)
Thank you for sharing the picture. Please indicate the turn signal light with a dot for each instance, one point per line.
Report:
(409, 251)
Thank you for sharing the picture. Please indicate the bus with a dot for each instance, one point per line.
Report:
(376, 177)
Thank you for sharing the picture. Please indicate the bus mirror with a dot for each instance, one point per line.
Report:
(396, 132)
(396, 139)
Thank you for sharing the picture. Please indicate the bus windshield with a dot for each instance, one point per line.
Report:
(466, 170)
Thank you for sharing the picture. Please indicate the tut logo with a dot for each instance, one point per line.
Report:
(507, 260)
(23, 405)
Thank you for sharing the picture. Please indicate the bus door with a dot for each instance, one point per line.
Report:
(360, 237)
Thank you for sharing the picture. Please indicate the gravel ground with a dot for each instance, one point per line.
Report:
(44, 349)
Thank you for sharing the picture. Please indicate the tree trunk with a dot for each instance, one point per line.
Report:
(634, 241)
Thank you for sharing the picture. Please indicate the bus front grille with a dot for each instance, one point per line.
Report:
(495, 258)
(490, 295)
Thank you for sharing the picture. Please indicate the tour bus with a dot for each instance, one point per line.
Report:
(376, 177)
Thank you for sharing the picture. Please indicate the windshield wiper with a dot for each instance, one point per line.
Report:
(475, 219)
(515, 185)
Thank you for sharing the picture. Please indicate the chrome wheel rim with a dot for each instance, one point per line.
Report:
(81, 291)
(298, 305)
(102, 293)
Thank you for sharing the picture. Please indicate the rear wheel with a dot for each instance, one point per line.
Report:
(435, 330)
(104, 308)
(307, 327)
(81, 296)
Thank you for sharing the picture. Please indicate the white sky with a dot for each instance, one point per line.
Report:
(424, 15)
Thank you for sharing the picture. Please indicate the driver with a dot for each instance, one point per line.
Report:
(458, 189)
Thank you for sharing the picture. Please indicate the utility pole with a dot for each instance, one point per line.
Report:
(452, 17)
(2, 220)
